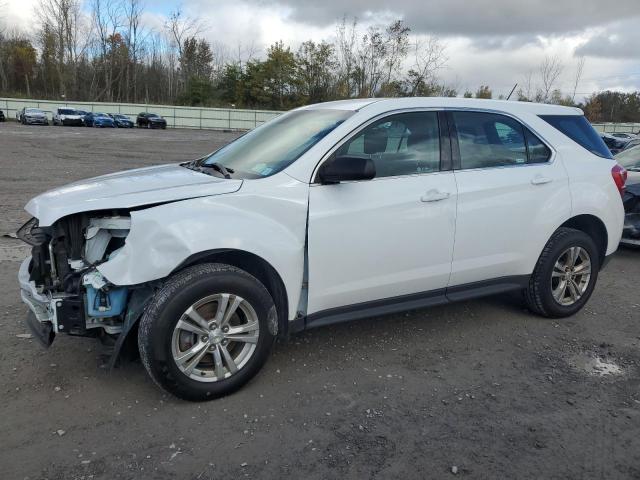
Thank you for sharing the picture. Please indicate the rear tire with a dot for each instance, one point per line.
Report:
(565, 275)
(223, 360)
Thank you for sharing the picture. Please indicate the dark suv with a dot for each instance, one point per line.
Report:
(150, 120)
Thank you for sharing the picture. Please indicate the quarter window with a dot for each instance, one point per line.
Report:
(538, 152)
(402, 144)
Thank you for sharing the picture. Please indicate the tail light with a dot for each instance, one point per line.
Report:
(619, 175)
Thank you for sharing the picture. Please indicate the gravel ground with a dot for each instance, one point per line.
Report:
(480, 389)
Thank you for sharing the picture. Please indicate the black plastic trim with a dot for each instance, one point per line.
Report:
(411, 302)
(445, 142)
(455, 147)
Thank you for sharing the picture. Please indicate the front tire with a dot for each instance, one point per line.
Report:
(565, 275)
(207, 332)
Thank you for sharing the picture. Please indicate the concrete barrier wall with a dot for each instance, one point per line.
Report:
(617, 127)
(201, 118)
(177, 117)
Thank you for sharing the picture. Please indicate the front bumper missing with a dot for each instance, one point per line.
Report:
(42, 318)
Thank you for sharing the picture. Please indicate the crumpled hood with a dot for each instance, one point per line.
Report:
(131, 188)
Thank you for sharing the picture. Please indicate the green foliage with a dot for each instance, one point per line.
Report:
(484, 92)
(179, 67)
(199, 92)
(611, 106)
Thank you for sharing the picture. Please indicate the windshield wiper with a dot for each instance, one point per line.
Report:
(226, 172)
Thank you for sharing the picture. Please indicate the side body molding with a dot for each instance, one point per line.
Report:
(266, 218)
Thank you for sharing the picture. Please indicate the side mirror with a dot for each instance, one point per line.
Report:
(346, 168)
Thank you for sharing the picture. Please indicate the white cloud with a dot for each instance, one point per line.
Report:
(493, 42)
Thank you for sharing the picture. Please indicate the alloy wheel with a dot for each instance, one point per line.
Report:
(215, 337)
(570, 276)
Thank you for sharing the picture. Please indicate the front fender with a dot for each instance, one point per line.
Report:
(263, 219)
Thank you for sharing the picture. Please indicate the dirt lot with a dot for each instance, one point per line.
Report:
(480, 388)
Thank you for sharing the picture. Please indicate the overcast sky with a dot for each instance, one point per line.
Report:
(493, 42)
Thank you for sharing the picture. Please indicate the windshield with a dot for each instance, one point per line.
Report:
(630, 159)
(278, 143)
(33, 110)
(67, 111)
(101, 115)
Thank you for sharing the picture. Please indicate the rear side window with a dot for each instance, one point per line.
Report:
(578, 129)
(489, 140)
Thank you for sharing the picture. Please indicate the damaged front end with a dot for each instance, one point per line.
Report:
(631, 230)
(61, 284)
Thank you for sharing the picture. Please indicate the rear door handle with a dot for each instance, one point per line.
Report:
(435, 196)
(540, 180)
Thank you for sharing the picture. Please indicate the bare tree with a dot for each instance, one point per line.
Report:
(61, 18)
(108, 18)
(526, 89)
(430, 57)
(135, 33)
(371, 54)
(397, 40)
(550, 69)
(180, 27)
(578, 77)
(346, 38)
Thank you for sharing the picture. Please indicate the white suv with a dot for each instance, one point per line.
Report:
(327, 213)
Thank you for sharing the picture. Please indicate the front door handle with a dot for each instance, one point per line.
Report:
(435, 196)
(540, 180)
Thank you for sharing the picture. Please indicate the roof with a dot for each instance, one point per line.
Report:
(352, 104)
(510, 106)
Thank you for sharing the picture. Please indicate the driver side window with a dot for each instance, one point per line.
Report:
(401, 144)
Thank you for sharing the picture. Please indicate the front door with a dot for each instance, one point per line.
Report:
(390, 236)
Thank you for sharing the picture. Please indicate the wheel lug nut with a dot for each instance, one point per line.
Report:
(205, 338)
(213, 326)
(225, 329)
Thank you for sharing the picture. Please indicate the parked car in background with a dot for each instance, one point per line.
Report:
(2, 117)
(150, 120)
(629, 158)
(98, 120)
(628, 136)
(327, 213)
(121, 121)
(614, 144)
(632, 143)
(67, 117)
(33, 116)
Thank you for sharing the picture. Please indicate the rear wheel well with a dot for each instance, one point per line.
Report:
(256, 266)
(593, 227)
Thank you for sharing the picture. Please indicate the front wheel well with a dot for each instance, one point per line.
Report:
(256, 266)
(595, 228)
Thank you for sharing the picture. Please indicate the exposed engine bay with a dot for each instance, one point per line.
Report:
(60, 282)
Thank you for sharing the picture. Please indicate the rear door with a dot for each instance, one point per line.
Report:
(512, 194)
(393, 235)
